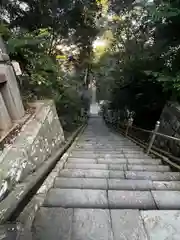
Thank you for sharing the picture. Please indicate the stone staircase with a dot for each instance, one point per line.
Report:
(110, 190)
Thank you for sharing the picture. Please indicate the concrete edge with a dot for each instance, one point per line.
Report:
(16, 201)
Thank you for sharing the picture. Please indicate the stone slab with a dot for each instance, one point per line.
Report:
(107, 151)
(117, 167)
(82, 155)
(76, 198)
(126, 184)
(82, 160)
(89, 224)
(132, 150)
(154, 168)
(5, 120)
(52, 224)
(163, 185)
(116, 174)
(127, 225)
(111, 161)
(130, 200)
(139, 155)
(144, 161)
(81, 183)
(86, 166)
(162, 225)
(84, 173)
(157, 176)
(82, 151)
(167, 199)
(109, 156)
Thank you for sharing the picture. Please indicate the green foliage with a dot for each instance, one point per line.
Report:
(144, 60)
(32, 30)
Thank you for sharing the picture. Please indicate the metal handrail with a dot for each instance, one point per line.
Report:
(156, 133)
(153, 133)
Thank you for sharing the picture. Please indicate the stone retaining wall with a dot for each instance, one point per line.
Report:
(170, 125)
(39, 138)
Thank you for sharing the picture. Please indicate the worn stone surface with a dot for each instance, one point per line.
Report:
(116, 174)
(41, 136)
(76, 198)
(120, 167)
(130, 200)
(167, 200)
(83, 155)
(162, 225)
(126, 184)
(91, 186)
(158, 176)
(82, 160)
(164, 185)
(108, 156)
(9, 231)
(127, 224)
(53, 223)
(143, 161)
(137, 155)
(111, 161)
(5, 120)
(84, 173)
(86, 166)
(155, 168)
(91, 224)
(81, 183)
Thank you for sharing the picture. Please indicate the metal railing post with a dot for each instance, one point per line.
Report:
(153, 136)
(129, 124)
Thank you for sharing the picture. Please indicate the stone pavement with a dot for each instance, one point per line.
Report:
(110, 190)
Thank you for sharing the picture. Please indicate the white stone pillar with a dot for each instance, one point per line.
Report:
(5, 121)
(10, 93)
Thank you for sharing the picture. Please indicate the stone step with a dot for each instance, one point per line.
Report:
(137, 155)
(82, 160)
(154, 168)
(157, 176)
(96, 166)
(72, 224)
(105, 224)
(144, 161)
(144, 200)
(115, 184)
(83, 155)
(129, 161)
(76, 198)
(99, 161)
(91, 173)
(112, 199)
(112, 161)
(94, 151)
(95, 155)
(81, 183)
(139, 175)
(87, 166)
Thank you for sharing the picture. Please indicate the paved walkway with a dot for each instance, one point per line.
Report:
(110, 190)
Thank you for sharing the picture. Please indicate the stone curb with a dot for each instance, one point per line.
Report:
(16, 201)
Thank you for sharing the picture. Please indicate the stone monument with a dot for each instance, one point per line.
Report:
(11, 106)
